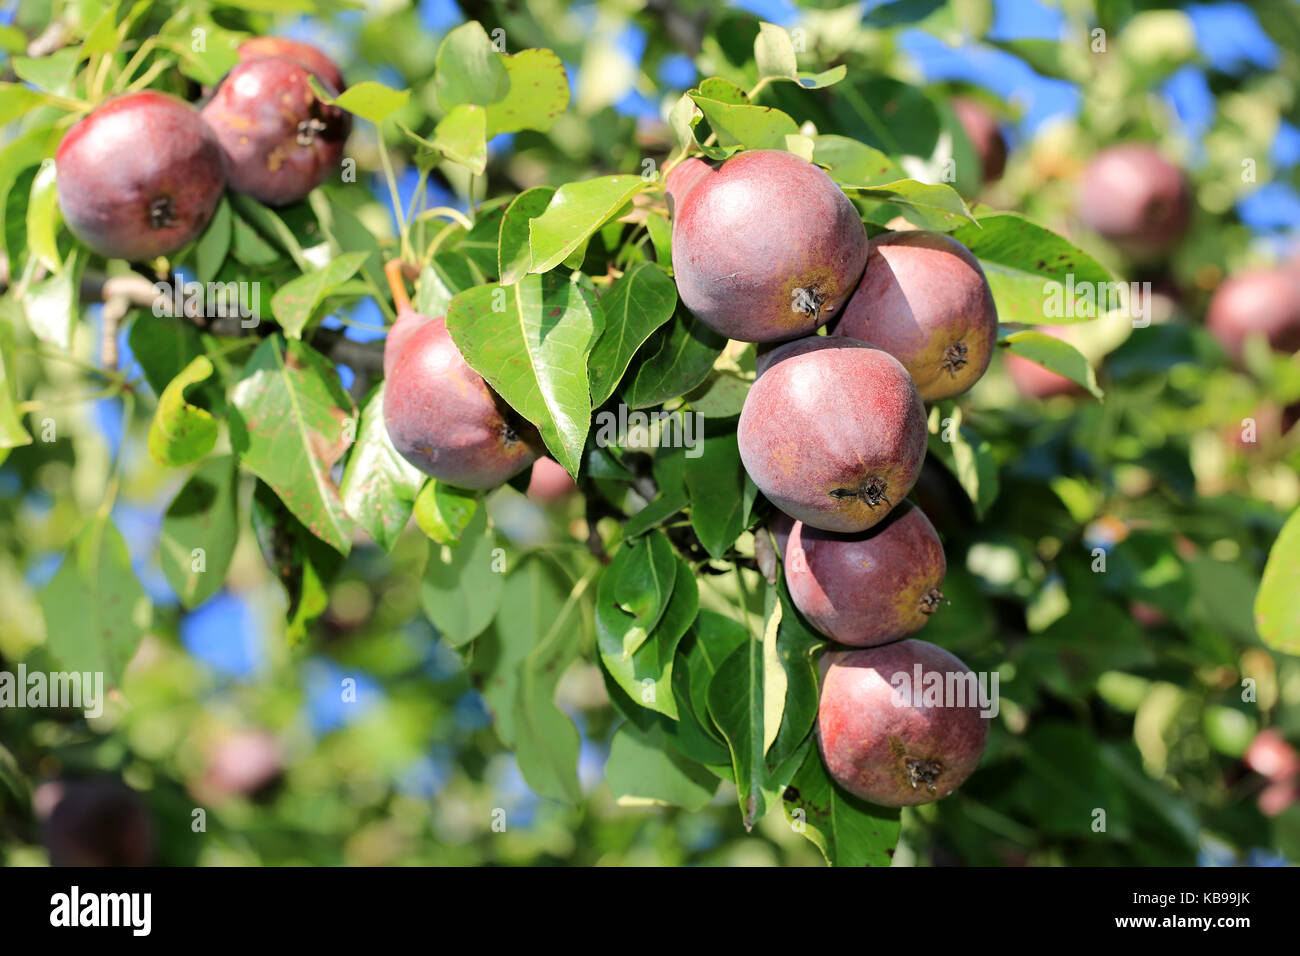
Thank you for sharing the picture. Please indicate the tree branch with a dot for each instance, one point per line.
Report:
(122, 293)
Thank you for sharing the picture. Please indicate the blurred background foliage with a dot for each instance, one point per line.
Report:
(1121, 690)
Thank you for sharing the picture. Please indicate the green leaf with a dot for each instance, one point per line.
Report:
(796, 645)
(530, 342)
(721, 395)
(1055, 354)
(851, 163)
(546, 741)
(102, 35)
(10, 773)
(292, 421)
(199, 531)
(894, 117)
(17, 100)
(52, 306)
(214, 244)
(248, 247)
(95, 609)
(295, 302)
(349, 233)
(298, 559)
(12, 431)
(182, 433)
(460, 137)
(636, 305)
(469, 70)
(712, 638)
(642, 576)
(1047, 57)
(444, 511)
(818, 81)
(645, 675)
(848, 831)
(43, 219)
(749, 720)
(644, 770)
(269, 224)
(15, 218)
(21, 153)
(743, 124)
(673, 361)
(1029, 267)
(898, 12)
(525, 91)
(164, 346)
(661, 237)
(480, 243)
(538, 92)
(448, 275)
(52, 73)
(379, 486)
(937, 207)
(370, 100)
(682, 118)
(967, 455)
(774, 52)
(575, 212)
(514, 257)
(462, 586)
(721, 493)
(1277, 613)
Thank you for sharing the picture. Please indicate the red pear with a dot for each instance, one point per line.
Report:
(924, 299)
(767, 248)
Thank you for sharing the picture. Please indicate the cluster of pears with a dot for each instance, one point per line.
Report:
(767, 248)
(141, 175)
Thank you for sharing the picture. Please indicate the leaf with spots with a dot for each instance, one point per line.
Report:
(848, 831)
(291, 422)
(1029, 268)
(537, 93)
(530, 342)
(526, 90)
